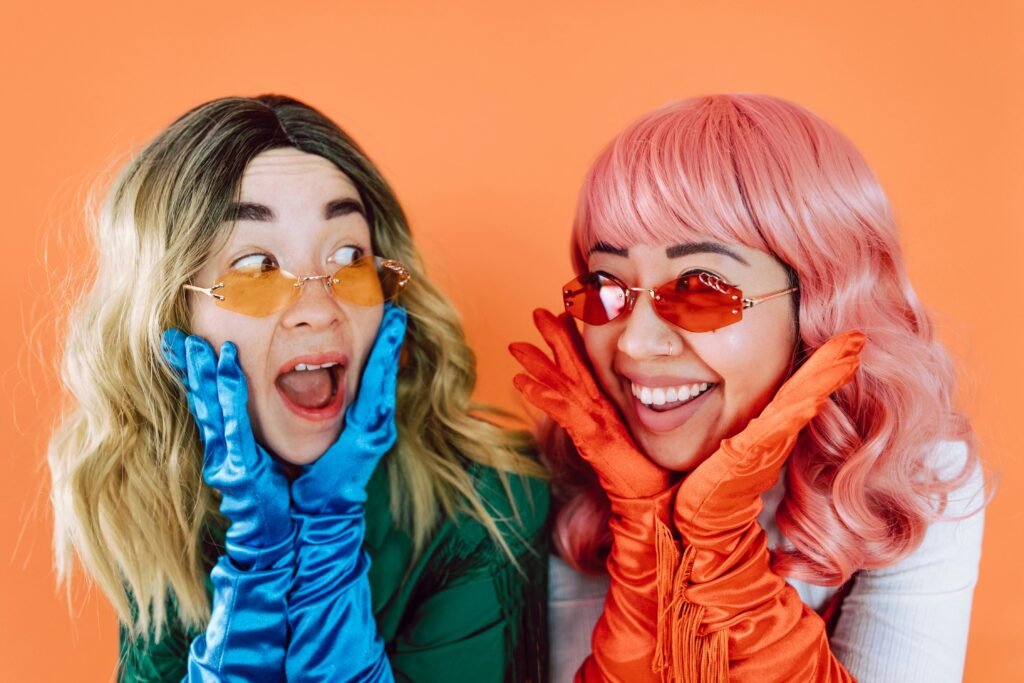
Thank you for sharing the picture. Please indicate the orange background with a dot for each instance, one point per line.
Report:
(484, 120)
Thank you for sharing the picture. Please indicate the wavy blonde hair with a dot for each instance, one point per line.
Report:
(126, 460)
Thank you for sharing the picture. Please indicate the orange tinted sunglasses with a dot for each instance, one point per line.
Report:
(258, 291)
(697, 301)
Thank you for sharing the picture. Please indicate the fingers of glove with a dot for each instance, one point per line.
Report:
(172, 344)
(537, 364)
(397, 322)
(748, 463)
(380, 376)
(201, 363)
(563, 348)
(623, 470)
(804, 394)
(550, 400)
(233, 396)
(830, 367)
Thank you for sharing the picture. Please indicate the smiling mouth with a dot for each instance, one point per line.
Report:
(663, 399)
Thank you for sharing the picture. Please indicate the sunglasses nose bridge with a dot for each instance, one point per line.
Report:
(300, 283)
(632, 293)
(327, 280)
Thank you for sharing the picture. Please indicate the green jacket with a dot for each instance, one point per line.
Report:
(461, 612)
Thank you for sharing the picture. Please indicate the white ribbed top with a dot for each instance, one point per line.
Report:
(904, 623)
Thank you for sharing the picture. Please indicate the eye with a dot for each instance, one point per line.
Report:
(700, 278)
(260, 263)
(344, 256)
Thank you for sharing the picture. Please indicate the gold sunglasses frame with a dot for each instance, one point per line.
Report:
(328, 280)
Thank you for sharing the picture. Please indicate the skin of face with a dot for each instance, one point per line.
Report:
(305, 239)
(747, 361)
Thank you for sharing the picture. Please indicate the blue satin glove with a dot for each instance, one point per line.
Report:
(334, 634)
(247, 634)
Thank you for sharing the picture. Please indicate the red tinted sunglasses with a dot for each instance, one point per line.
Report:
(696, 301)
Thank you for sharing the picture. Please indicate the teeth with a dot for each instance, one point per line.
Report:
(310, 366)
(659, 396)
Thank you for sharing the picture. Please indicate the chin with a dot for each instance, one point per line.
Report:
(300, 449)
(674, 458)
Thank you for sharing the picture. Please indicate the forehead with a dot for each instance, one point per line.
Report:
(279, 173)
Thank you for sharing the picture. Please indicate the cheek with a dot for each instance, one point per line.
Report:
(250, 335)
(753, 361)
(600, 344)
(210, 323)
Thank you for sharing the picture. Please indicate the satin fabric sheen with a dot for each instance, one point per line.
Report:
(771, 635)
(246, 637)
(640, 493)
(691, 595)
(244, 640)
(330, 611)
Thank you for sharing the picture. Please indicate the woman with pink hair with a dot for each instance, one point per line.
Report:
(759, 469)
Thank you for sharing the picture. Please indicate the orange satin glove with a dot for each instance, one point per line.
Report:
(624, 643)
(733, 617)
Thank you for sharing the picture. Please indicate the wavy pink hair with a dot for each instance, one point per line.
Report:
(862, 484)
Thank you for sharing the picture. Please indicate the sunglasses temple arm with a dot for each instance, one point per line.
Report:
(208, 291)
(750, 303)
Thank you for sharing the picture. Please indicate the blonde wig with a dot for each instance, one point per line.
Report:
(126, 460)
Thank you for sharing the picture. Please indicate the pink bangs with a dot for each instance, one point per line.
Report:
(739, 169)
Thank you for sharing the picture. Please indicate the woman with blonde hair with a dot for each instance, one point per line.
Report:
(260, 321)
(756, 450)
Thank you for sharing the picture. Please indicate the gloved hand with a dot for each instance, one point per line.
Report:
(640, 492)
(334, 634)
(735, 618)
(246, 636)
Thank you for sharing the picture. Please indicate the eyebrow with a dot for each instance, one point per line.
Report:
(251, 211)
(248, 211)
(676, 251)
(704, 248)
(606, 248)
(343, 207)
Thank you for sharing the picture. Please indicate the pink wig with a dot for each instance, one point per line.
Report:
(862, 484)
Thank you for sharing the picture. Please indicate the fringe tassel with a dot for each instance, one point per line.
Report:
(667, 561)
(696, 658)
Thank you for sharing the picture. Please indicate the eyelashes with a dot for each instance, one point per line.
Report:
(263, 261)
(255, 261)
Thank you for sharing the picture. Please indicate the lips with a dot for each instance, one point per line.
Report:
(291, 385)
(662, 403)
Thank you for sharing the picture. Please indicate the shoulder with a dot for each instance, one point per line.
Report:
(952, 541)
(950, 460)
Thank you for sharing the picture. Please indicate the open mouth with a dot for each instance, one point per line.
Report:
(664, 409)
(313, 391)
(663, 399)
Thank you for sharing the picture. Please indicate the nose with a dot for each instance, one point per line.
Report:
(315, 305)
(646, 334)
